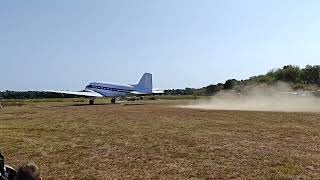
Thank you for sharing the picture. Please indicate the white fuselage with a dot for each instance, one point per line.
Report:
(110, 90)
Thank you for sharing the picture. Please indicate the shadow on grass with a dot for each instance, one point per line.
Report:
(87, 105)
(109, 104)
(94, 105)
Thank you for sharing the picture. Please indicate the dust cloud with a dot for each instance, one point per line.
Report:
(279, 97)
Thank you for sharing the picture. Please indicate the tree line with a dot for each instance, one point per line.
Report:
(307, 78)
(31, 95)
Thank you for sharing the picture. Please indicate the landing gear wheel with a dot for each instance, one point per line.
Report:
(91, 101)
(113, 100)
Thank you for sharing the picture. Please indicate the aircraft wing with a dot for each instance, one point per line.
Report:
(79, 93)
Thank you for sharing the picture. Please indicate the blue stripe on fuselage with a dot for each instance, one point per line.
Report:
(109, 89)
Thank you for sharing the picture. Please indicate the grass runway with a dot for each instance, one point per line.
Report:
(157, 140)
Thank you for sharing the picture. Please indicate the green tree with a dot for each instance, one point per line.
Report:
(288, 73)
(311, 74)
(230, 84)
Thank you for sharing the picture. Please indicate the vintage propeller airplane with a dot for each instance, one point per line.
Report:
(98, 90)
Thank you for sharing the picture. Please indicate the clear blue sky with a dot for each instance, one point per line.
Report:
(185, 43)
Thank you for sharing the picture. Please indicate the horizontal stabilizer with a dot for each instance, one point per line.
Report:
(157, 91)
(139, 93)
(147, 93)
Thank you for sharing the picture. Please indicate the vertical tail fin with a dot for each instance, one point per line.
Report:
(145, 83)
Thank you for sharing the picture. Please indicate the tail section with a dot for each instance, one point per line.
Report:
(145, 83)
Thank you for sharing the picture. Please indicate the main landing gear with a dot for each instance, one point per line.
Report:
(113, 100)
(91, 101)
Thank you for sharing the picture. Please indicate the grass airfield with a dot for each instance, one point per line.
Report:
(69, 139)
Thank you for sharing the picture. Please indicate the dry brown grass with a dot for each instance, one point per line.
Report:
(161, 142)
